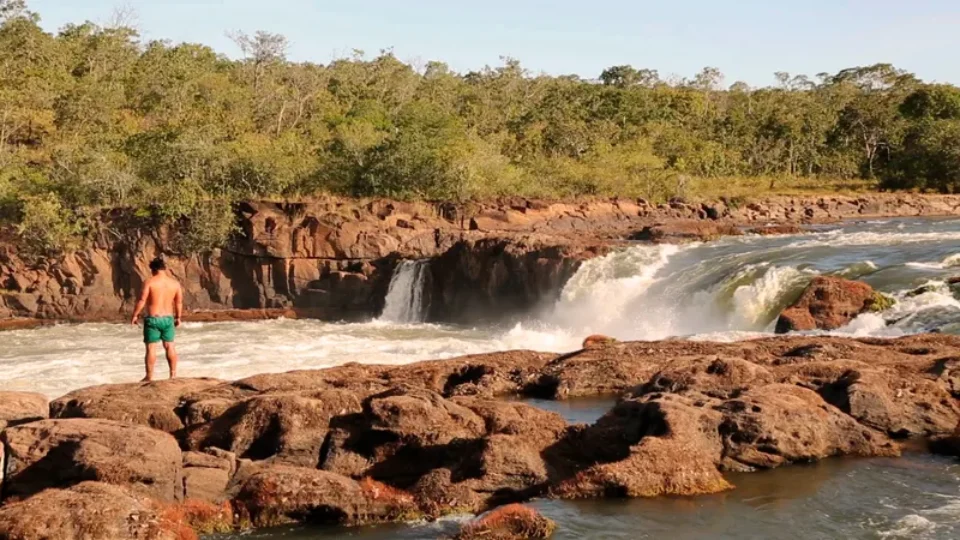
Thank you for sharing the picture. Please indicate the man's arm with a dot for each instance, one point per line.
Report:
(178, 305)
(141, 303)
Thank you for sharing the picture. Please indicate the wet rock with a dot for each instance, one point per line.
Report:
(510, 462)
(776, 424)
(61, 453)
(490, 278)
(400, 435)
(897, 405)
(151, 404)
(438, 494)
(775, 230)
(21, 407)
(597, 340)
(89, 510)
(947, 445)
(511, 522)
(677, 231)
(827, 304)
(287, 428)
(644, 449)
(922, 290)
(280, 494)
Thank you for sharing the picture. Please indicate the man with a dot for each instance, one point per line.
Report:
(163, 298)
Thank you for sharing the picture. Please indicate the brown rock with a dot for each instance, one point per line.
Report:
(207, 475)
(151, 404)
(421, 418)
(597, 340)
(774, 230)
(86, 511)
(676, 231)
(279, 494)
(205, 484)
(776, 424)
(21, 407)
(718, 377)
(511, 522)
(510, 462)
(947, 445)
(437, 494)
(61, 453)
(887, 401)
(644, 449)
(827, 304)
(610, 370)
(288, 428)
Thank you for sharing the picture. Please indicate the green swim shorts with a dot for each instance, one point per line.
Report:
(158, 329)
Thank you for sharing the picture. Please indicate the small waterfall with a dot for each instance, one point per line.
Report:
(405, 297)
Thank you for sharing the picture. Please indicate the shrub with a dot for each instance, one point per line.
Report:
(46, 229)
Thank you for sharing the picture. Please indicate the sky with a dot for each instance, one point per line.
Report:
(748, 40)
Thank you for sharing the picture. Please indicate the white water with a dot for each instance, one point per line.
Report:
(404, 302)
(727, 290)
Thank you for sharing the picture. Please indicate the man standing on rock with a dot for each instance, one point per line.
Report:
(163, 298)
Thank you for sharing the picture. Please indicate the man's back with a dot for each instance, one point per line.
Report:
(162, 299)
(163, 292)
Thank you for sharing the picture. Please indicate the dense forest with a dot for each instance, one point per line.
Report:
(93, 117)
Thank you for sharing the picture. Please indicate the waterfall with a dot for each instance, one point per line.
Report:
(405, 297)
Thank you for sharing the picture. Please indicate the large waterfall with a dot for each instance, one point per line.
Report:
(735, 288)
(405, 297)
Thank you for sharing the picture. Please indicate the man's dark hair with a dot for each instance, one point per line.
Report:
(157, 265)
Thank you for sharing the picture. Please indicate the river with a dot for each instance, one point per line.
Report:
(724, 290)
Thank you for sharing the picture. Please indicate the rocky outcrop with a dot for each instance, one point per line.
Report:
(276, 495)
(679, 231)
(511, 522)
(286, 428)
(61, 453)
(361, 444)
(829, 303)
(775, 230)
(207, 475)
(20, 408)
(333, 258)
(151, 404)
(86, 511)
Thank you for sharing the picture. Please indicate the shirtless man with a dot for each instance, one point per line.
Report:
(163, 299)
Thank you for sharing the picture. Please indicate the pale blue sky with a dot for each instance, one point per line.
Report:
(747, 39)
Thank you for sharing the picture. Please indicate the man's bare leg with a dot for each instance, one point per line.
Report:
(172, 358)
(150, 360)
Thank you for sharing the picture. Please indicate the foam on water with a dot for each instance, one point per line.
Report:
(727, 290)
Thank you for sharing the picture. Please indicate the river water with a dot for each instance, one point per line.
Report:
(725, 290)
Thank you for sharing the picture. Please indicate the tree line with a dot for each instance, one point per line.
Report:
(93, 117)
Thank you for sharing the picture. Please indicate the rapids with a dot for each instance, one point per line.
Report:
(725, 290)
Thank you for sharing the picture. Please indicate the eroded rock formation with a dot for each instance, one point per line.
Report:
(334, 257)
(360, 444)
(828, 303)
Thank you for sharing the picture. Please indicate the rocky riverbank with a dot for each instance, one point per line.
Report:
(333, 258)
(360, 444)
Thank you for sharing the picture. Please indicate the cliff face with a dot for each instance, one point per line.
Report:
(333, 258)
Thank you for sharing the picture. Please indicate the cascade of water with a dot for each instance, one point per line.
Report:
(405, 296)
